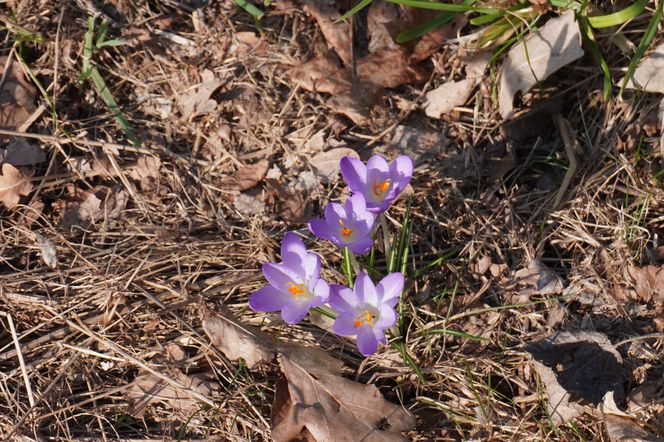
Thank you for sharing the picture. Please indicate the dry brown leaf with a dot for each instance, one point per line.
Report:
(576, 368)
(237, 340)
(536, 279)
(390, 68)
(433, 41)
(648, 282)
(648, 75)
(446, 97)
(13, 184)
(198, 103)
(620, 426)
(147, 172)
(416, 142)
(83, 209)
(148, 389)
(289, 202)
(322, 74)
(248, 176)
(248, 205)
(326, 164)
(21, 153)
(329, 407)
(337, 34)
(17, 97)
(48, 252)
(553, 46)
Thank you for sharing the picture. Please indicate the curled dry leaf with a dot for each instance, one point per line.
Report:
(20, 152)
(536, 279)
(147, 172)
(83, 209)
(290, 203)
(577, 369)
(326, 164)
(48, 252)
(533, 60)
(621, 426)
(13, 184)
(248, 204)
(446, 97)
(200, 102)
(329, 407)
(322, 74)
(237, 340)
(648, 75)
(336, 33)
(148, 389)
(248, 176)
(17, 97)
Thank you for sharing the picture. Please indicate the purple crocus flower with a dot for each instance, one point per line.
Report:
(294, 285)
(366, 309)
(378, 181)
(349, 225)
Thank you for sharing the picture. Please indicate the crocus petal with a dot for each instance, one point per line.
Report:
(279, 276)
(344, 325)
(268, 299)
(333, 213)
(377, 209)
(389, 288)
(365, 290)
(320, 228)
(387, 317)
(293, 262)
(354, 173)
(366, 341)
(292, 243)
(321, 293)
(402, 170)
(380, 336)
(377, 163)
(356, 206)
(342, 299)
(294, 312)
(362, 245)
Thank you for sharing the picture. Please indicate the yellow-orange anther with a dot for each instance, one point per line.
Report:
(345, 231)
(295, 289)
(381, 188)
(364, 317)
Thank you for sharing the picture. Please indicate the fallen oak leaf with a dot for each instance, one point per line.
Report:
(237, 340)
(17, 96)
(20, 152)
(13, 184)
(332, 408)
(337, 34)
(534, 59)
(621, 426)
(326, 164)
(248, 176)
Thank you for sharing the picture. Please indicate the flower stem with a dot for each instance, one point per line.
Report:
(386, 235)
(325, 311)
(347, 265)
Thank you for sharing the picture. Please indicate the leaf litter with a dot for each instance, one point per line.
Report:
(13, 184)
(313, 401)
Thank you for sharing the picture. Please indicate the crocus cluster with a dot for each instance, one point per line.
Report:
(294, 286)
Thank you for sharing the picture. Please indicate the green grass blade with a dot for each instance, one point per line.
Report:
(435, 263)
(566, 4)
(454, 333)
(111, 43)
(643, 44)
(486, 19)
(109, 101)
(250, 8)
(620, 17)
(347, 265)
(423, 4)
(408, 360)
(101, 34)
(589, 38)
(354, 10)
(425, 28)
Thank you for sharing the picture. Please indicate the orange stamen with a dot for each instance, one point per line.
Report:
(295, 289)
(345, 231)
(381, 188)
(364, 317)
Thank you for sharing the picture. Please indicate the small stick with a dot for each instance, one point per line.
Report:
(19, 354)
(570, 143)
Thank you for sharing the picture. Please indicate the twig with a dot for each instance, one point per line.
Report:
(570, 142)
(19, 354)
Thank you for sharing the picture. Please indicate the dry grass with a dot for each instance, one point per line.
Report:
(132, 282)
